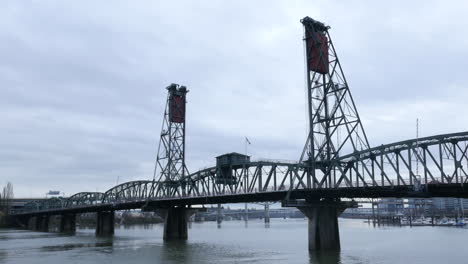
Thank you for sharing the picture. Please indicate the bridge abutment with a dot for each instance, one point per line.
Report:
(105, 223)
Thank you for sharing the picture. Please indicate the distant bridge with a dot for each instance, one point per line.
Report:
(426, 167)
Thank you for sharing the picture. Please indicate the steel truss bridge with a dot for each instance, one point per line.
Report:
(337, 166)
(383, 171)
(337, 163)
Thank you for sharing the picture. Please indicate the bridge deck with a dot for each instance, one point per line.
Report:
(433, 190)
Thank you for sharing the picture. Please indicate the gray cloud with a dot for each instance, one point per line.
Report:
(83, 82)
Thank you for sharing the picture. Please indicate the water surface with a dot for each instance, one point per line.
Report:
(284, 241)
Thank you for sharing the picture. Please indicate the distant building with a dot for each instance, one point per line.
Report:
(438, 203)
(390, 205)
(465, 204)
(450, 205)
(415, 203)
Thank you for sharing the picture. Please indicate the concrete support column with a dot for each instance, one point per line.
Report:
(219, 215)
(323, 227)
(67, 223)
(175, 224)
(37, 223)
(267, 213)
(42, 223)
(246, 213)
(323, 215)
(105, 223)
(32, 223)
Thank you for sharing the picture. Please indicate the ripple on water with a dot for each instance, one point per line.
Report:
(285, 241)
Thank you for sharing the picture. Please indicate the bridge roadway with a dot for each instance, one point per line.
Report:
(433, 190)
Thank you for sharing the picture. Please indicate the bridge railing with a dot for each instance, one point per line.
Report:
(421, 182)
(279, 161)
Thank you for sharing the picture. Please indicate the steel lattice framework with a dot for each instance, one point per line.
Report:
(334, 121)
(170, 160)
(84, 199)
(134, 190)
(335, 128)
(443, 157)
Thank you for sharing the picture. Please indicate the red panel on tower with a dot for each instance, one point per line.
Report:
(317, 52)
(177, 109)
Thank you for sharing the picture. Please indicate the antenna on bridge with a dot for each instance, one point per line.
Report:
(334, 123)
(170, 160)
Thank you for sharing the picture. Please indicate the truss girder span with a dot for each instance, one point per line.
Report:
(84, 198)
(431, 160)
(128, 191)
(441, 159)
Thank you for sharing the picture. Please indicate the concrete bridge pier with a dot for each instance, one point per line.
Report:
(267, 213)
(219, 215)
(176, 221)
(323, 227)
(323, 230)
(67, 223)
(42, 223)
(175, 224)
(246, 213)
(31, 223)
(105, 223)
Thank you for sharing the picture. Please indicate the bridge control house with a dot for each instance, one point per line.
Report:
(226, 163)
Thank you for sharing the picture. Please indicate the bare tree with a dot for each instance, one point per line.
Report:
(6, 198)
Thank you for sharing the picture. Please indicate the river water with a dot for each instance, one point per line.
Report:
(284, 241)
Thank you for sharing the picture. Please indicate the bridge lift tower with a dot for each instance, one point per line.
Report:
(334, 123)
(170, 161)
(334, 127)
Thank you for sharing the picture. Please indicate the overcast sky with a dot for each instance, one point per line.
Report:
(83, 83)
